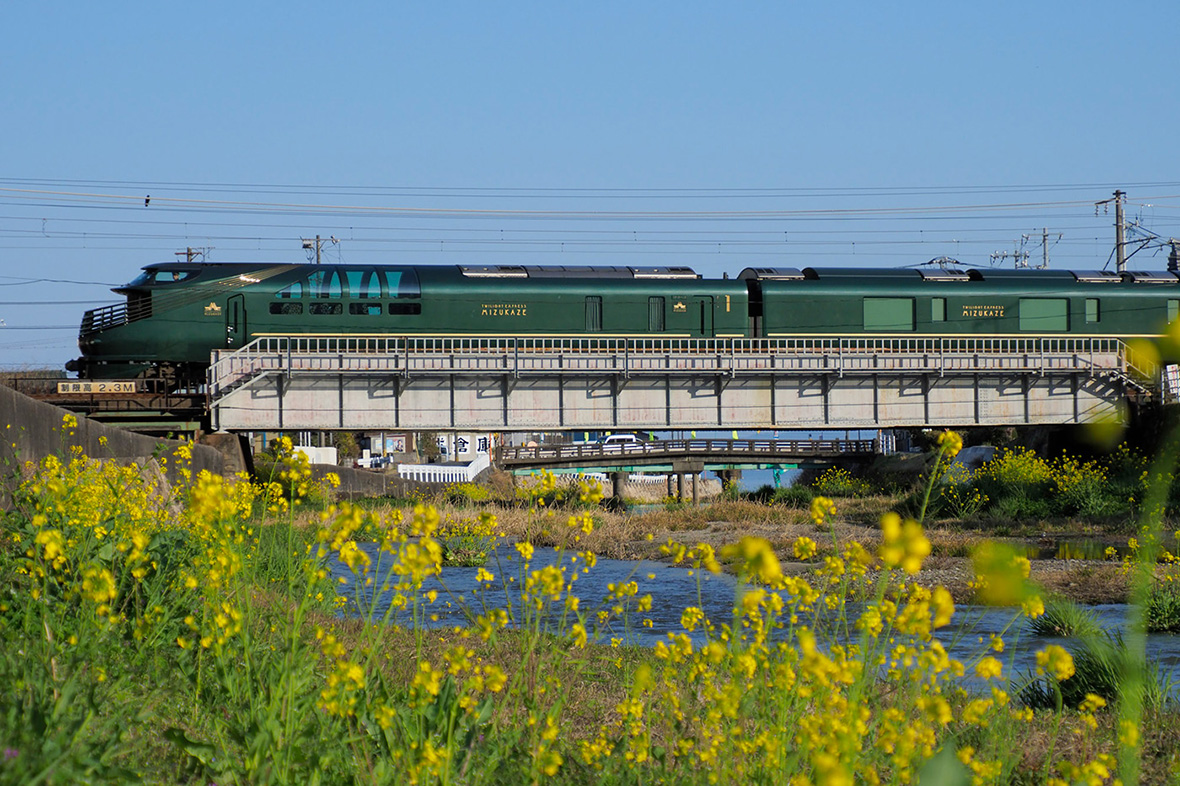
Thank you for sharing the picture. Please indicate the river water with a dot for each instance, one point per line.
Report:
(461, 596)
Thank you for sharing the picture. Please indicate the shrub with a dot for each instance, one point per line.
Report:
(467, 493)
(1019, 484)
(794, 496)
(1163, 609)
(1101, 666)
(839, 482)
(1064, 618)
(1081, 488)
(1017, 481)
(467, 542)
(958, 494)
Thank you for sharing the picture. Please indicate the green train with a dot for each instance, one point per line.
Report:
(175, 313)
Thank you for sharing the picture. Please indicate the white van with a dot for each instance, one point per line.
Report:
(618, 442)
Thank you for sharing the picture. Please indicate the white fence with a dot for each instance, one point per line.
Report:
(444, 473)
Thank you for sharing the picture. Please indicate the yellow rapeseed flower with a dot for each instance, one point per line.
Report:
(821, 509)
(944, 607)
(1033, 606)
(1001, 575)
(950, 443)
(903, 544)
(989, 668)
(1128, 733)
(805, 548)
(756, 559)
(1057, 661)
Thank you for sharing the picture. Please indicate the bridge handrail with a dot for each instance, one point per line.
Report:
(688, 447)
(402, 354)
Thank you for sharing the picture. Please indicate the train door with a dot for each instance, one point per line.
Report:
(705, 307)
(235, 321)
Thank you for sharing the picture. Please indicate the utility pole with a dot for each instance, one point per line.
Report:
(318, 245)
(1018, 256)
(1045, 247)
(190, 253)
(1120, 249)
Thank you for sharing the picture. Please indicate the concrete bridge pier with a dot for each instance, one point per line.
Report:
(617, 481)
(680, 469)
(729, 477)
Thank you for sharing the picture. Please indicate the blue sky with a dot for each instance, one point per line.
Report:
(717, 135)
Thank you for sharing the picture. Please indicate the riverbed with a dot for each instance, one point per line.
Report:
(461, 596)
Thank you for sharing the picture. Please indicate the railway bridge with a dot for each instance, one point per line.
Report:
(530, 383)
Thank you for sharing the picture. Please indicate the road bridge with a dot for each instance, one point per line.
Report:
(531, 383)
(682, 457)
(662, 454)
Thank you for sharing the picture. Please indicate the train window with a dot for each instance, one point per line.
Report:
(403, 283)
(170, 276)
(1092, 309)
(1044, 313)
(655, 314)
(365, 309)
(286, 308)
(155, 276)
(324, 283)
(410, 309)
(938, 309)
(889, 313)
(324, 309)
(1173, 309)
(364, 284)
(291, 290)
(594, 314)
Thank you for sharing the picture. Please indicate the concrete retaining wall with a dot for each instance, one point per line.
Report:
(32, 430)
(358, 483)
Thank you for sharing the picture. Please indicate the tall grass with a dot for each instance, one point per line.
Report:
(197, 642)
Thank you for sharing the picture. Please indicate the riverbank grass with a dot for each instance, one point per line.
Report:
(194, 639)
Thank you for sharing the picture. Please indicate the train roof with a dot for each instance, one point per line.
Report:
(576, 271)
(165, 272)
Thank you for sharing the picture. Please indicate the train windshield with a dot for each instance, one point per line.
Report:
(154, 276)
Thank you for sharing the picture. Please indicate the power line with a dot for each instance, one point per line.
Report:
(130, 200)
(582, 192)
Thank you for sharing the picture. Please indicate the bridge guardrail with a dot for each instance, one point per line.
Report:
(692, 448)
(407, 355)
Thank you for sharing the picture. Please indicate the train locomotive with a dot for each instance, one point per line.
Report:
(175, 313)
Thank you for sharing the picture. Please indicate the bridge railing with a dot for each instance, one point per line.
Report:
(697, 448)
(406, 355)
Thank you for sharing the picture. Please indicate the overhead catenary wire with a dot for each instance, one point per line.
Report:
(135, 200)
(550, 192)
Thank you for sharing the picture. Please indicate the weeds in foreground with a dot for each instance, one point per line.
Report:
(797, 682)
